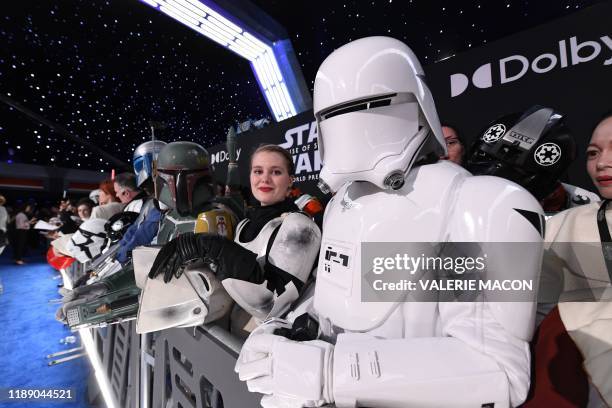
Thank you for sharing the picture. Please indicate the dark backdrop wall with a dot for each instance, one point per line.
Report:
(565, 64)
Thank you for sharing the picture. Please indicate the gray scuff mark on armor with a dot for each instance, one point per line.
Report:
(169, 312)
(301, 237)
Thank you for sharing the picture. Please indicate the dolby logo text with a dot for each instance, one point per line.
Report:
(568, 53)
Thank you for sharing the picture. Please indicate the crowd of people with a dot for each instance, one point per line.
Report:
(291, 288)
(17, 222)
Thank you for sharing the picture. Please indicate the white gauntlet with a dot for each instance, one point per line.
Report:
(294, 373)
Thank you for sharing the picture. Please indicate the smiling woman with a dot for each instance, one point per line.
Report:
(599, 156)
(271, 174)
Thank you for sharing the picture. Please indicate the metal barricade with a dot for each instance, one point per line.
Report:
(178, 368)
(121, 362)
(194, 368)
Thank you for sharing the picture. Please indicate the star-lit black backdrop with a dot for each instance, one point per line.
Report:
(104, 69)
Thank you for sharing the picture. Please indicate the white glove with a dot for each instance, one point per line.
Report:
(293, 374)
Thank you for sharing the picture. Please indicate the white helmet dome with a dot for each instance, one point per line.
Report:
(143, 160)
(88, 242)
(94, 196)
(374, 113)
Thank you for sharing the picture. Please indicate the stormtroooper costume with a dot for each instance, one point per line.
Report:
(379, 139)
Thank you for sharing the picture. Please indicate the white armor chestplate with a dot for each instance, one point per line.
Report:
(364, 213)
(293, 252)
(255, 299)
(259, 245)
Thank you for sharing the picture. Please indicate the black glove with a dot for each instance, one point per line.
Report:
(232, 260)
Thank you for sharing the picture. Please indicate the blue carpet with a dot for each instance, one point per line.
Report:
(28, 332)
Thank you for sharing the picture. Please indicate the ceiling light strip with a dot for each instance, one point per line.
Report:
(277, 114)
(150, 3)
(223, 26)
(211, 35)
(241, 51)
(208, 22)
(180, 17)
(198, 5)
(289, 101)
(275, 67)
(190, 7)
(266, 85)
(263, 47)
(280, 96)
(273, 84)
(267, 58)
(218, 16)
(261, 73)
(220, 33)
(181, 9)
(274, 103)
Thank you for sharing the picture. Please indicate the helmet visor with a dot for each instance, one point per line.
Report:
(180, 185)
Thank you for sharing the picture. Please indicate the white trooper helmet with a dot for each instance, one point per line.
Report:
(374, 113)
(88, 242)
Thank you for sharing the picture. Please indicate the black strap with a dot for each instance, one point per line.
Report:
(602, 224)
(278, 278)
(604, 236)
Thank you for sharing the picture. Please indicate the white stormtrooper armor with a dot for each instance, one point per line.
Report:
(289, 242)
(195, 298)
(89, 241)
(399, 354)
(579, 196)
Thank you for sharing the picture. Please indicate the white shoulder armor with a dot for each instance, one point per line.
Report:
(509, 223)
(290, 245)
(296, 246)
(492, 209)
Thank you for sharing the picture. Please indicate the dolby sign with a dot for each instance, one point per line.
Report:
(567, 52)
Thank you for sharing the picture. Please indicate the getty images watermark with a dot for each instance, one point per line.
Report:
(449, 272)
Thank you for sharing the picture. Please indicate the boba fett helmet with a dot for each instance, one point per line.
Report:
(183, 177)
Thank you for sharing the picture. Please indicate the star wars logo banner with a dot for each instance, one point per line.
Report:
(564, 65)
(298, 135)
(303, 144)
